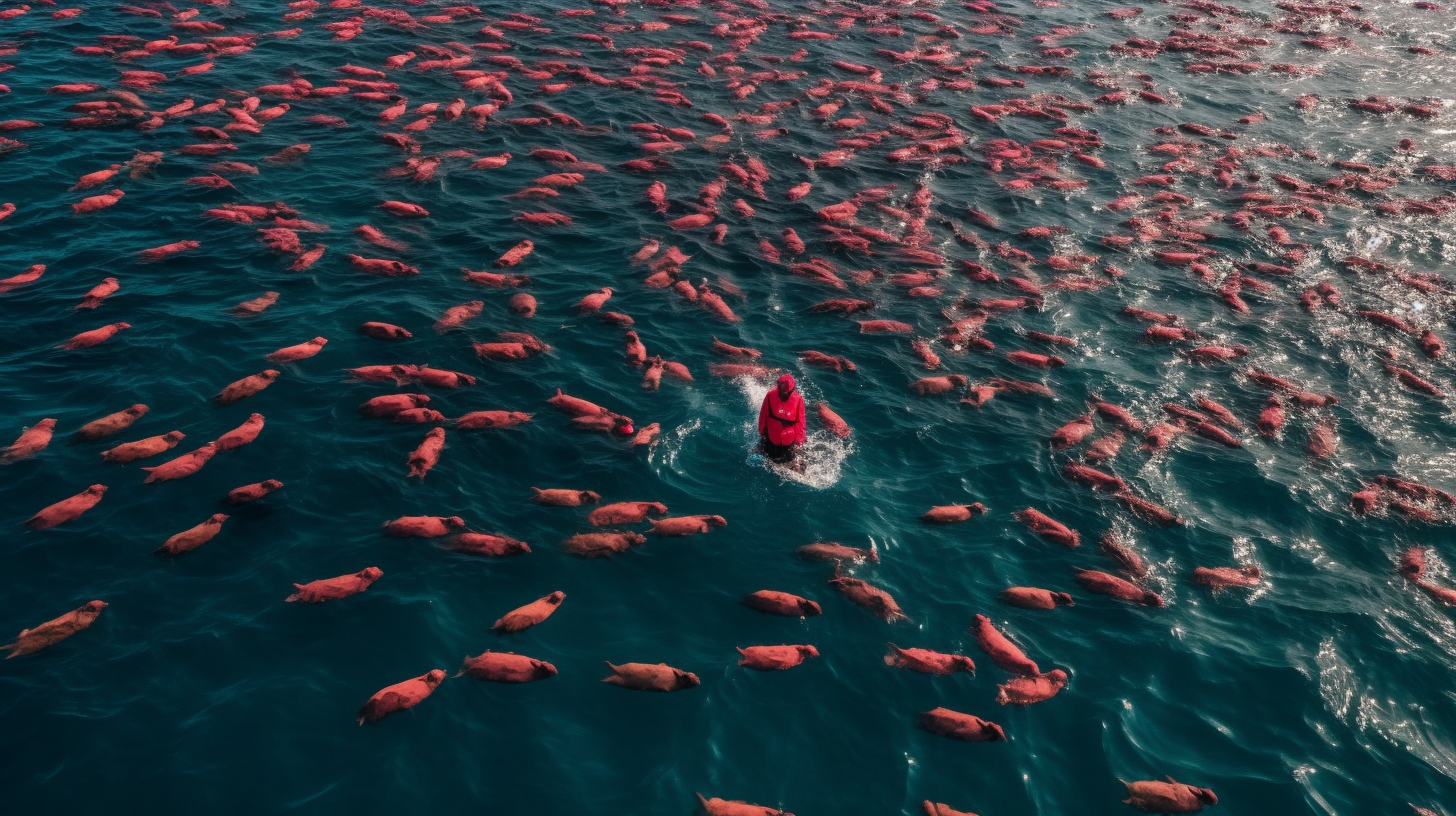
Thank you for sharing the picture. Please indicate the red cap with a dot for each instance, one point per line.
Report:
(787, 380)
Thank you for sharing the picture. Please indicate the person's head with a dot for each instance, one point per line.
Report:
(786, 386)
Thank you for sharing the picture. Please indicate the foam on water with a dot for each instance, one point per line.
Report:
(670, 445)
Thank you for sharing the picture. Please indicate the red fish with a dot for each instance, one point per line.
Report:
(400, 696)
(333, 589)
(67, 509)
(515, 254)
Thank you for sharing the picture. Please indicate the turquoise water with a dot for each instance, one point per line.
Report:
(1325, 690)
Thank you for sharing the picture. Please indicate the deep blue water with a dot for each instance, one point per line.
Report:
(1325, 690)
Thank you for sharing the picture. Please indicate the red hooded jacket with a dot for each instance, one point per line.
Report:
(783, 421)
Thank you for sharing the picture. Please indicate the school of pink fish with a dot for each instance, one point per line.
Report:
(904, 242)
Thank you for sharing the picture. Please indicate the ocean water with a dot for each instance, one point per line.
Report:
(1325, 690)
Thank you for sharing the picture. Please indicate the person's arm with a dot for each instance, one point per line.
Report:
(763, 418)
(801, 427)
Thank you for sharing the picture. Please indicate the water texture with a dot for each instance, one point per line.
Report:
(1324, 690)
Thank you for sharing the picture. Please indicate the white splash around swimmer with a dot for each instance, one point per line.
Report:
(822, 454)
(670, 445)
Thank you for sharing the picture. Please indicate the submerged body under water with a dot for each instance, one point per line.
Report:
(1203, 196)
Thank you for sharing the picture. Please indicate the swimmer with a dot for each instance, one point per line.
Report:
(782, 423)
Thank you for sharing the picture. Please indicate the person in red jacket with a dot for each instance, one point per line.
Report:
(782, 421)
